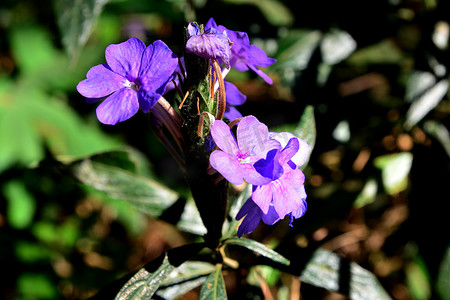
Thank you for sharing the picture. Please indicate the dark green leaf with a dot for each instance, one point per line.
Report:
(327, 270)
(443, 278)
(214, 286)
(76, 19)
(275, 12)
(258, 248)
(144, 284)
(146, 194)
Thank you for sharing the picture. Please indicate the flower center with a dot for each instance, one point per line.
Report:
(131, 85)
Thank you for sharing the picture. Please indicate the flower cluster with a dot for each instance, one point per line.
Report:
(269, 161)
(137, 77)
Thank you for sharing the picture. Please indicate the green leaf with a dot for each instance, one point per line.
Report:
(144, 284)
(439, 132)
(76, 19)
(21, 204)
(427, 100)
(395, 169)
(36, 286)
(145, 194)
(325, 269)
(258, 248)
(185, 278)
(274, 11)
(306, 129)
(214, 286)
(443, 277)
(190, 220)
(336, 46)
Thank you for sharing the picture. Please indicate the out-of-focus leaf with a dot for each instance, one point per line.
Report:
(274, 11)
(144, 284)
(258, 248)
(395, 169)
(214, 286)
(190, 220)
(384, 52)
(417, 280)
(30, 117)
(425, 103)
(367, 194)
(418, 82)
(295, 49)
(306, 129)
(184, 278)
(21, 204)
(440, 132)
(36, 286)
(443, 278)
(145, 194)
(336, 46)
(325, 268)
(76, 19)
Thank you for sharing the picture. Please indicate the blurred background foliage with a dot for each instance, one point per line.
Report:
(372, 74)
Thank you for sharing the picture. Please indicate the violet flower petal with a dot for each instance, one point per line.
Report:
(252, 136)
(125, 58)
(262, 196)
(251, 220)
(118, 107)
(227, 165)
(234, 96)
(232, 113)
(285, 199)
(223, 137)
(271, 217)
(157, 67)
(100, 82)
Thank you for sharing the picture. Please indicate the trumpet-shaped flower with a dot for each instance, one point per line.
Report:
(134, 78)
(236, 158)
(243, 55)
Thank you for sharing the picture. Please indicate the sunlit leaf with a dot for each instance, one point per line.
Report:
(306, 129)
(190, 220)
(258, 248)
(443, 278)
(417, 280)
(147, 195)
(214, 286)
(367, 194)
(21, 205)
(336, 45)
(76, 19)
(274, 11)
(184, 278)
(36, 286)
(144, 284)
(425, 103)
(395, 169)
(325, 268)
(384, 52)
(440, 132)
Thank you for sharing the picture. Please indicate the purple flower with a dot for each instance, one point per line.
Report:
(236, 158)
(285, 191)
(253, 216)
(243, 55)
(211, 44)
(234, 97)
(134, 77)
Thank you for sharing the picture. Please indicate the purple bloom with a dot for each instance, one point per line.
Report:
(236, 158)
(234, 97)
(210, 45)
(285, 190)
(134, 77)
(243, 55)
(253, 216)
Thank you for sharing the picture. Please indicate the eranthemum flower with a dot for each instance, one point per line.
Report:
(236, 158)
(134, 77)
(211, 44)
(243, 55)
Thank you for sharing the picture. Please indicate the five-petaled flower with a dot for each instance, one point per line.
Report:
(236, 158)
(134, 77)
(243, 55)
